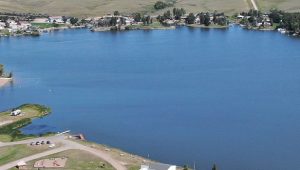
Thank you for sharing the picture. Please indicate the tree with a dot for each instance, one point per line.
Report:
(178, 13)
(185, 167)
(206, 21)
(1, 70)
(113, 21)
(167, 15)
(10, 75)
(73, 20)
(64, 19)
(160, 5)
(137, 17)
(147, 20)
(190, 19)
(214, 167)
(116, 13)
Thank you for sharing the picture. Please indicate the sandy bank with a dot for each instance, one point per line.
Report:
(4, 81)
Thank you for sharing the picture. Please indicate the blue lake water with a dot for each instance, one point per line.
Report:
(230, 97)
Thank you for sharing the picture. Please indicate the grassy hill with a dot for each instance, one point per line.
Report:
(84, 8)
(287, 5)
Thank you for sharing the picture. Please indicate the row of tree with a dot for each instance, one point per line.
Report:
(204, 18)
(288, 21)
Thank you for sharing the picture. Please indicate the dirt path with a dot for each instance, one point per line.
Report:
(254, 4)
(67, 145)
(5, 122)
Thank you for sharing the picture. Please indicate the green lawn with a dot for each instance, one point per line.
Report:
(12, 153)
(47, 25)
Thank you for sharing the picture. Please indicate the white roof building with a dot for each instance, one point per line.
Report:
(16, 112)
(57, 19)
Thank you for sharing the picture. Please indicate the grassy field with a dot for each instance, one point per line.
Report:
(47, 25)
(77, 160)
(29, 110)
(86, 8)
(287, 5)
(133, 162)
(12, 153)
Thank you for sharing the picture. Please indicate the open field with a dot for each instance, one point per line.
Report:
(100, 7)
(77, 160)
(11, 153)
(29, 110)
(131, 161)
(287, 5)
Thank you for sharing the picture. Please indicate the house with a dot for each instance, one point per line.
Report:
(56, 19)
(16, 112)
(157, 166)
(21, 165)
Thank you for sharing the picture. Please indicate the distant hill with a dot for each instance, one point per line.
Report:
(84, 8)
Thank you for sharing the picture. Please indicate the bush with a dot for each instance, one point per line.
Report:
(160, 5)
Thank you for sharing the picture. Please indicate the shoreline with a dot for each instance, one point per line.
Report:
(207, 27)
(118, 158)
(4, 81)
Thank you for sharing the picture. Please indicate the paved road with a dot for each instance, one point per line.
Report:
(66, 145)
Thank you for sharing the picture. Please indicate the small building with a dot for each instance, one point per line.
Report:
(56, 19)
(157, 166)
(16, 112)
(21, 165)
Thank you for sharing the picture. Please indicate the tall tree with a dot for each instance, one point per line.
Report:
(214, 167)
(137, 17)
(190, 19)
(116, 13)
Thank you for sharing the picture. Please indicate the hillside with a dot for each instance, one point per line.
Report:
(84, 8)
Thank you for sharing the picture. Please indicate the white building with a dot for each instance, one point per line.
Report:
(2, 25)
(16, 112)
(158, 166)
(56, 19)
